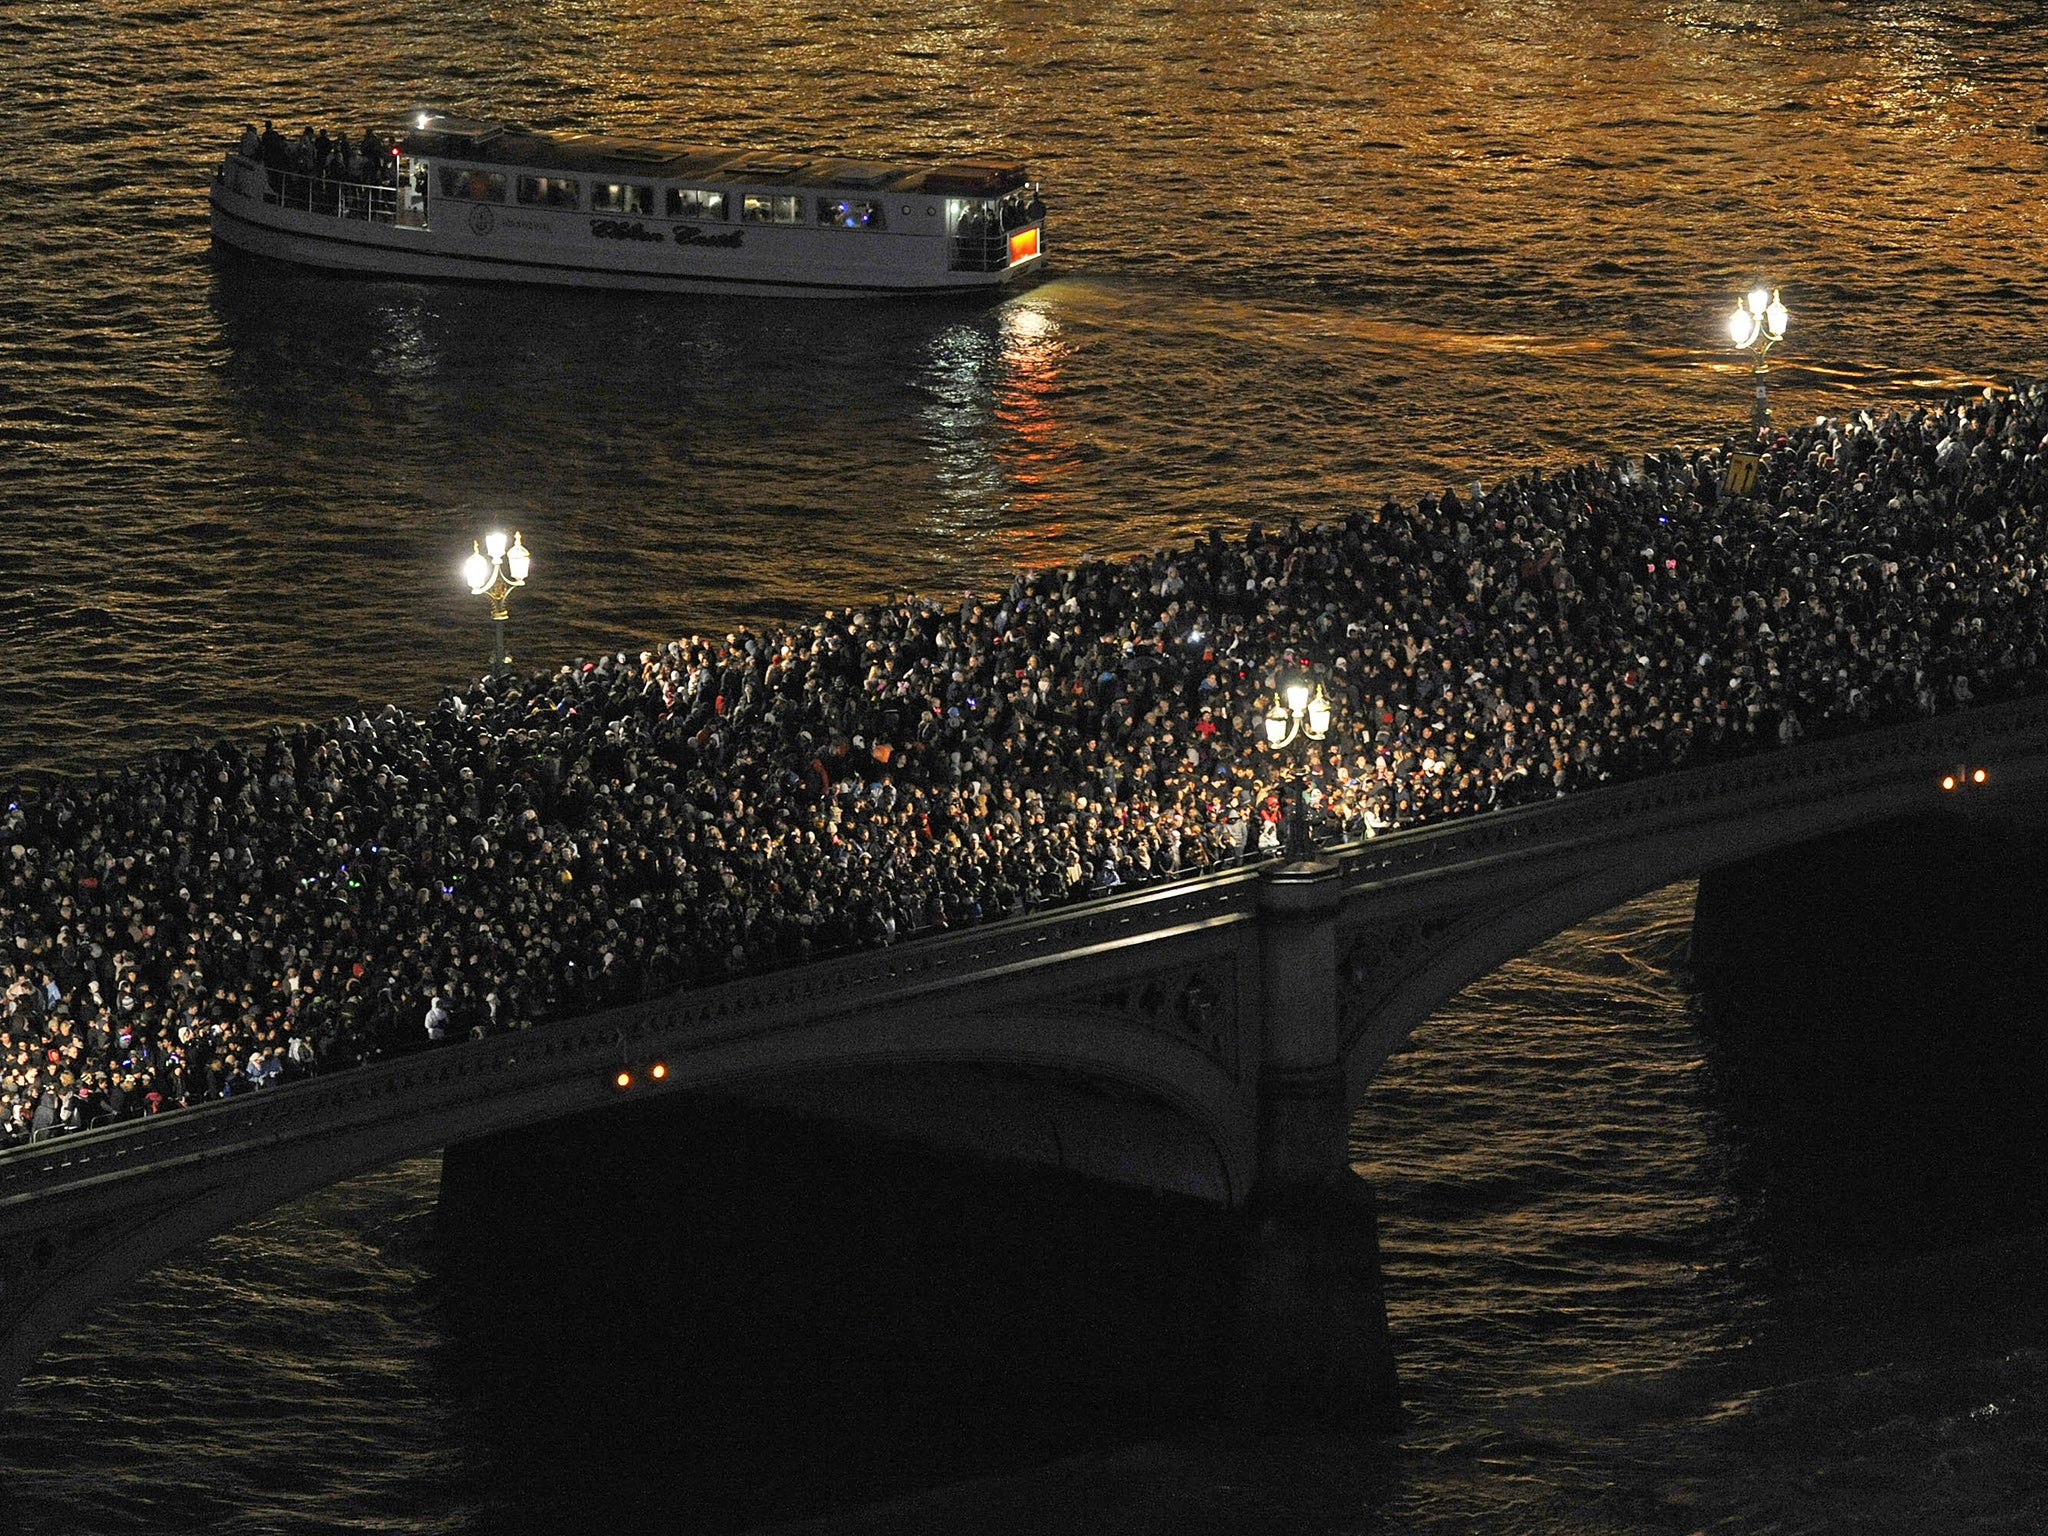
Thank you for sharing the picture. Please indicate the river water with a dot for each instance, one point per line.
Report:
(1303, 257)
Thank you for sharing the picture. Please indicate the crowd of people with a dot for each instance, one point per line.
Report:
(215, 920)
(319, 160)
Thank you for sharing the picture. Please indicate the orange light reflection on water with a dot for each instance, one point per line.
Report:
(1005, 452)
(1031, 441)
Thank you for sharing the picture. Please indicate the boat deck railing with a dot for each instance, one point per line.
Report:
(341, 199)
(980, 253)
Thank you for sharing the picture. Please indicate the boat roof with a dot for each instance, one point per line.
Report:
(591, 154)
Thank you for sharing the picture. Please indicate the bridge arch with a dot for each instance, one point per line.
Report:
(1156, 1107)
(1611, 854)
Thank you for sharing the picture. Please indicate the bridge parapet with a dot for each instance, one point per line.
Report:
(857, 983)
(1003, 950)
(1771, 780)
(1006, 954)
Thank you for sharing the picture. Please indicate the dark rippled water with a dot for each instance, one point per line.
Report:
(1303, 257)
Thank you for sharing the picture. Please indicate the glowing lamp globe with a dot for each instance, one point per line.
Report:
(1319, 715)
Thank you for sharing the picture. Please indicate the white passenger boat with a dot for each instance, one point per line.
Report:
(458, 198)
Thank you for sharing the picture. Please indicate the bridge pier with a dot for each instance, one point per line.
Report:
(1310, 1340)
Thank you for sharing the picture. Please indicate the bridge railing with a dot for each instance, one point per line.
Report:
(860, 978)
(282, 1114)
(601, 1042)
(1798, 775)
(864, 979)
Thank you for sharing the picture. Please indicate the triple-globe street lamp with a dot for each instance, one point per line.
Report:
(1297, 712)
(1757, 325)
(492, 571)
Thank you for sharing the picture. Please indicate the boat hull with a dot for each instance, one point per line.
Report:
(643, 256)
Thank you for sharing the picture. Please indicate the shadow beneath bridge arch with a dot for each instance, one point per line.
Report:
(1873, 1013)
(726, 1314)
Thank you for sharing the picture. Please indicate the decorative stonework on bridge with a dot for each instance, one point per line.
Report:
(1250, 1009)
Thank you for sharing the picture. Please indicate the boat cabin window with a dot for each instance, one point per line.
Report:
(694, 203)
(474, 186)
(548, 191)
(620, 197)
(972, 218)
(772, 208)
(850, 213)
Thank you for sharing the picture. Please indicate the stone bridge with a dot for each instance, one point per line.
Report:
(1211, 1037)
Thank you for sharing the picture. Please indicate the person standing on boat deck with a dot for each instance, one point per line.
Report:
(326, 170)
(274, 157)
(303, 153)
(375, 162)
(252, 145)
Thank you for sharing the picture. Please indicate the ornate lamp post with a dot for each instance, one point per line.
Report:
(1756, 326)
(492, 571)
(1296, 713)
